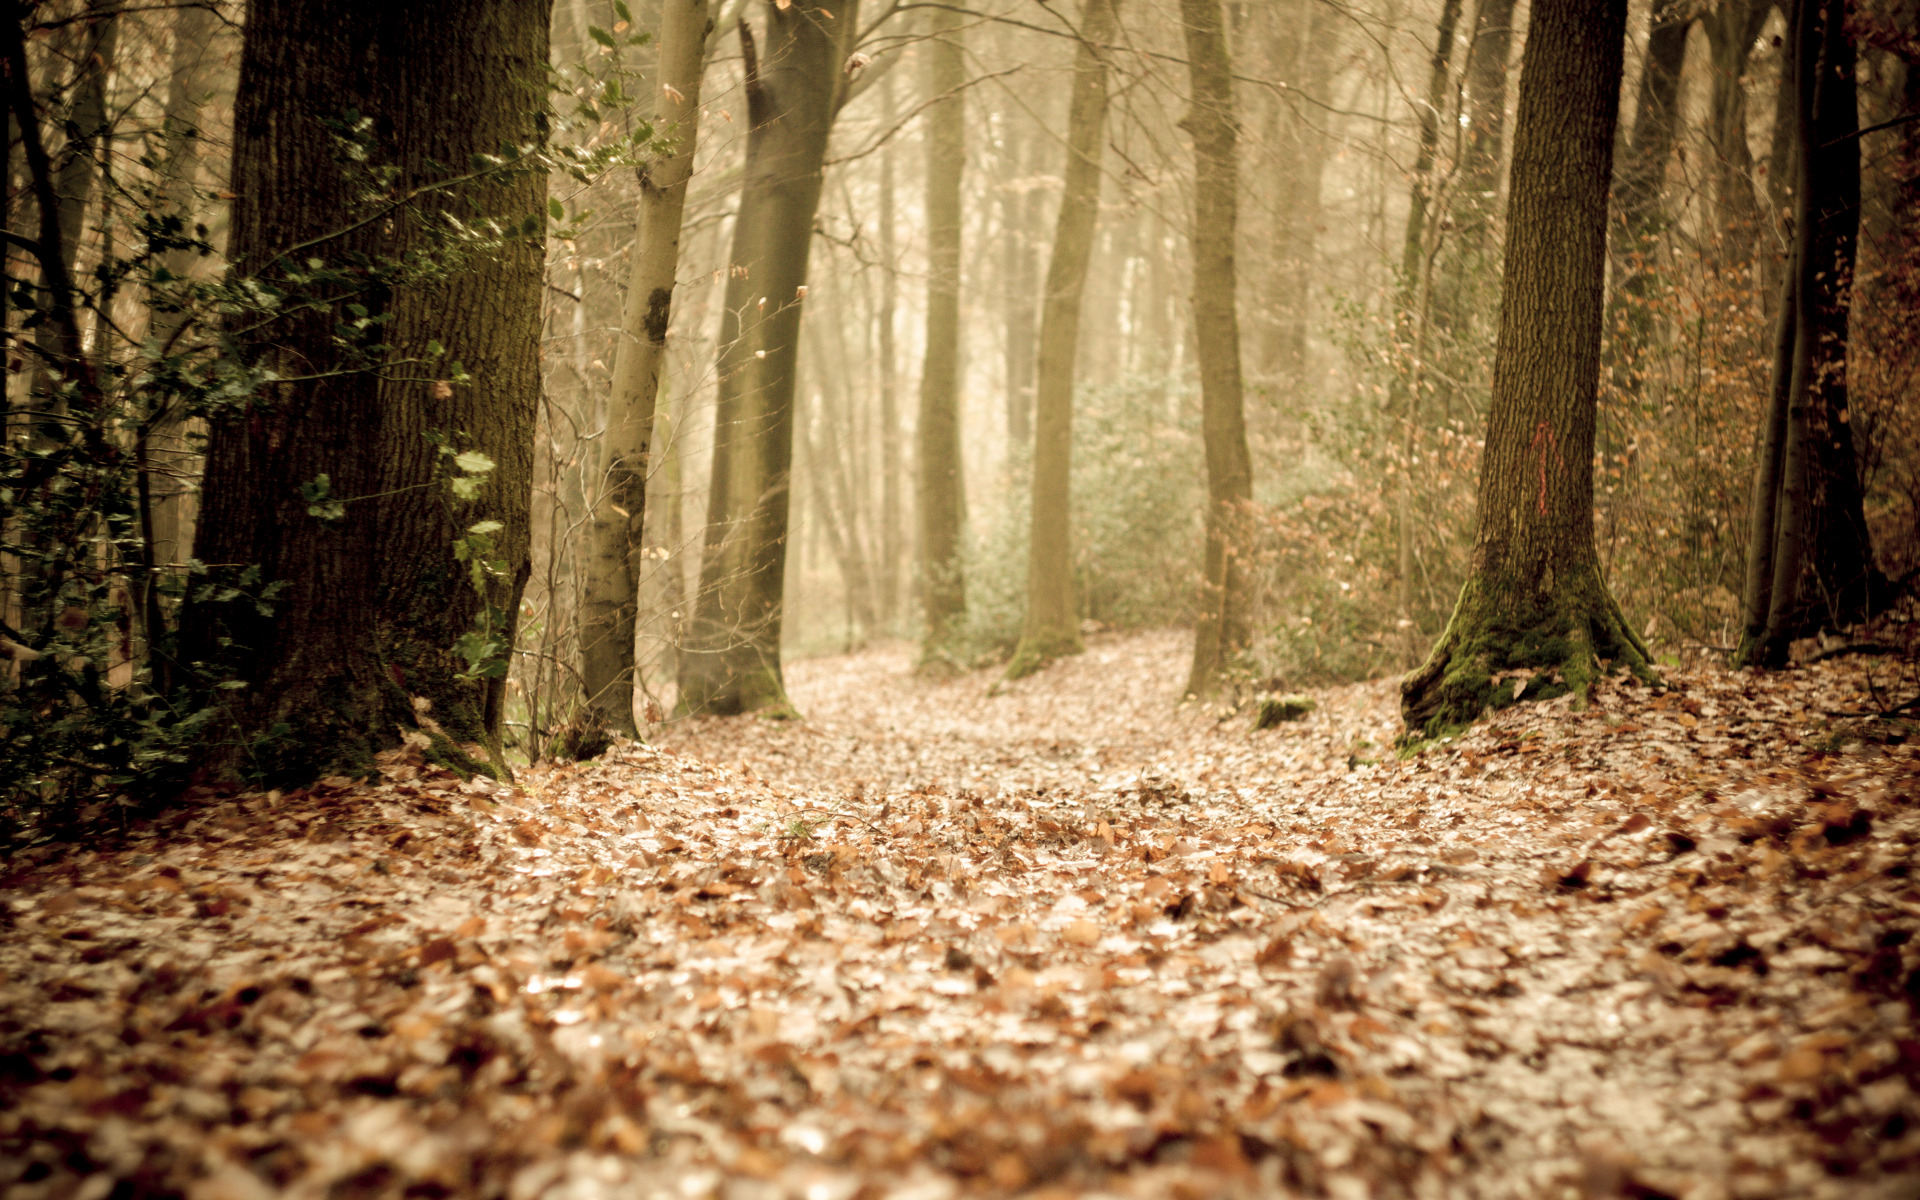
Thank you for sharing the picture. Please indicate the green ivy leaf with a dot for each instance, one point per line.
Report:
(473, 462)
(600, 35)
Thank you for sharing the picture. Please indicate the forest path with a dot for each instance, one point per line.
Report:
(1065, 939)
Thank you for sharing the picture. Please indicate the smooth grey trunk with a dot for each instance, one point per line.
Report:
(1221, 628)
(614, 527)
(1052, 626)
(730, 661)
(892, 540)
(941, 487)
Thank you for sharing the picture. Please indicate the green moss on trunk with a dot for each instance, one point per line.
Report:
(1564, 640)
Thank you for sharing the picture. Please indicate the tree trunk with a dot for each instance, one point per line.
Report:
(731, 661)
(1638, 188)
(1019, 269)
(1052, 626)
(942, 490)
(1486, 79)
(1461, 300)
(1731, 30)
(1306, 54)
(1220, 632)
(1821, 571)
(1534, 603)
(892, 536)
(614, 528)
(1409, 309)
(371, 602)
(189, 84)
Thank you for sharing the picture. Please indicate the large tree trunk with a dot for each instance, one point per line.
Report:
(614, 545)
(731, 660)
(1052, 626)
(1817, 568)
(1534, 603)
(370, 603)
(1220, 632)
(942, 490)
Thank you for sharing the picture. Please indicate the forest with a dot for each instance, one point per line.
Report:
(1133, 597)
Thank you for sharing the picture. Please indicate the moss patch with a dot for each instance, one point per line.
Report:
(1501, 641)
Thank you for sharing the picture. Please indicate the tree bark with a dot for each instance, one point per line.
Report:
(1052, 626)
(1221, 631)
(371, 603)
(731, 661)
(1534, 602)
(1821, 570)
(942, 490)
(614, 529)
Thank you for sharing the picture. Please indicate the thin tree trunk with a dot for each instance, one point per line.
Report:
(1461, 297)
(1534, 603)
(1731, 30)
(892, 540)
(1052, 626)
(1638, 190)
(1409, 316)
(189, 82)
(615, 525)
(1019, 214)
(1221, 631)
(942, 490)
(730, 662)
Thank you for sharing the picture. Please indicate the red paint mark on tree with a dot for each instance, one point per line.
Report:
(1544, 444)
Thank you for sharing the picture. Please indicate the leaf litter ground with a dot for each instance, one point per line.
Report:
(1057, 939)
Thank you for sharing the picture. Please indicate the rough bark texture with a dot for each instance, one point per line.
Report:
(731, 660)
(942, 491)
(1534, 604)
(373, 601)
(614, 529)
(1220, 632)
(1817, 569)
(1052, 626)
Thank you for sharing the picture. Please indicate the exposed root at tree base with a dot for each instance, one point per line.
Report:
(1497, 651)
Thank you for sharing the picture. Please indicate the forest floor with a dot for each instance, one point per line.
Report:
(1067, 940)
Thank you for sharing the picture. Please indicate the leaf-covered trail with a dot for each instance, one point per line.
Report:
(1060, 940)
